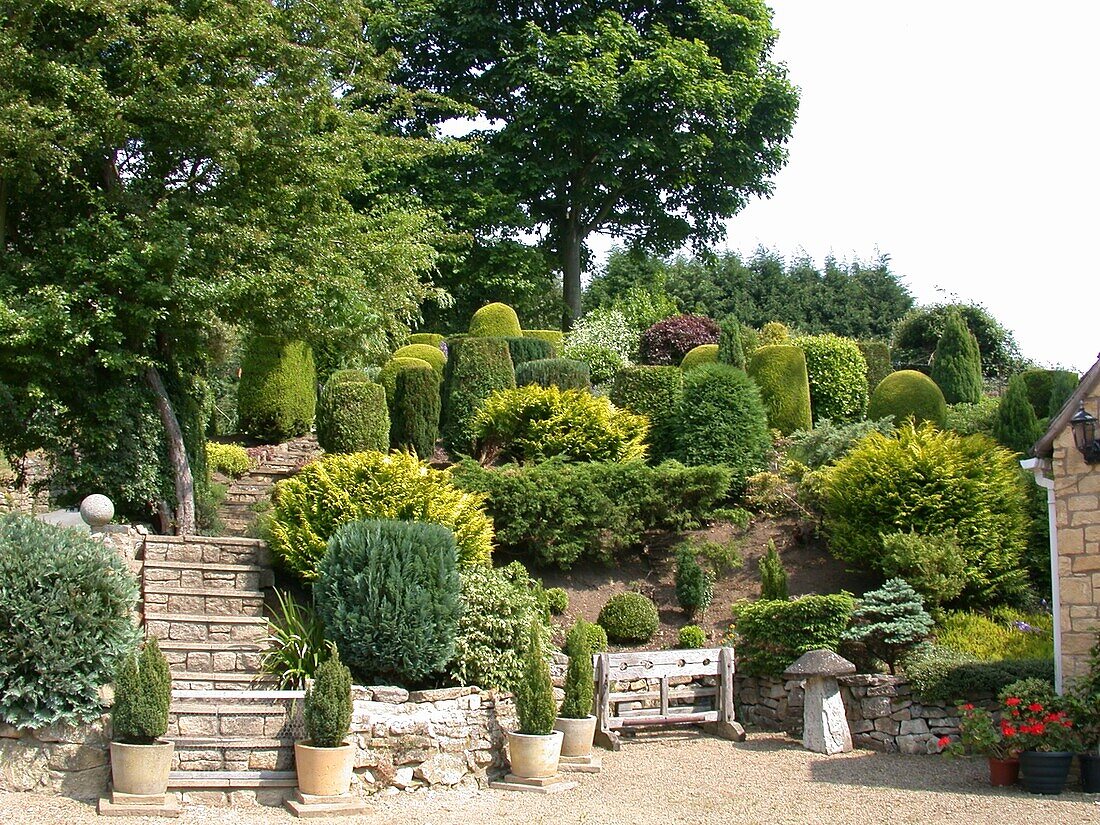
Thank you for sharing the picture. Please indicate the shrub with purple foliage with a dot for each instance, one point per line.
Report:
(668, 341)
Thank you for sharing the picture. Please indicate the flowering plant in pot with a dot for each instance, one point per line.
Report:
(324, 760)
(1047, 738)
(575, 720)
(534, 750)
(1085, 709)
(140, 760)
(982, 734)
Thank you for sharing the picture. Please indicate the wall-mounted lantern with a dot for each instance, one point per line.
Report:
(1084, 434)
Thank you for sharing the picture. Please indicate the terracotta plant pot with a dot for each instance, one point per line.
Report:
(1045, 771)
(141, 769)
(324, 771)
(534, 757)
(1003, 772)
(577, 735)
(1090, 772)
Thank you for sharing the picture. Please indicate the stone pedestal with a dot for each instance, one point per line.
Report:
(128, 804)
(825, 724)
(542, 784)
(592, 763)
(309, 806)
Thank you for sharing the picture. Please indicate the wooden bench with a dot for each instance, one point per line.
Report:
(710, 707)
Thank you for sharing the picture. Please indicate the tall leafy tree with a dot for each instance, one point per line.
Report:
(167, 167)
(651, 121)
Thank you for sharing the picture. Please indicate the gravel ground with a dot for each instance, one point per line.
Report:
(686, 778)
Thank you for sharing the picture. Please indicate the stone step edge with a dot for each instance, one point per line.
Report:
(236, 695)
(160, 588)
(231, 742)
(208, 566)
(208, 618)
(229, 541)
(242, 646)
(232, 779)
(184, 709)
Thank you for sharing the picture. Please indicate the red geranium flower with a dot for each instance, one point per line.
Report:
(1035, 707)
(1012, 701)
(943, 742)
(968, 706)
(1007, 729)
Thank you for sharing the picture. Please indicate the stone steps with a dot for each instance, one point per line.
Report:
(208, 550)
(227, 682)
(213, 657)
(201, 575)
(273, 465)
(213, 602)
(203, 627)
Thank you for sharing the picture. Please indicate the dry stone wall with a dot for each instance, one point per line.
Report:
(69, 761)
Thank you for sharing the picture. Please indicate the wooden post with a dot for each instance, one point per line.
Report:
(605, 737)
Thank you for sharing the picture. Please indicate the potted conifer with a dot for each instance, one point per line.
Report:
(534, 750)
(325, 760)
(576, 720)
(140, 761)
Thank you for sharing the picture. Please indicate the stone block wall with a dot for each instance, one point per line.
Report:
(69, 761)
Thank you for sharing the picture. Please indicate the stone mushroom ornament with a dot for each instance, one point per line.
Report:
(825, 725)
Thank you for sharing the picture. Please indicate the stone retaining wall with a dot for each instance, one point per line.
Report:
(60, 760)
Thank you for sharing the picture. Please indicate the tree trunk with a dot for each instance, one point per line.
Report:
(177, 455)
(571, 274)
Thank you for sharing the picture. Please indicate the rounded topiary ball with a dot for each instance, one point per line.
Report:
(495, 321)
(702, 354)
(425, 352)
(908, 394)
(629, 617)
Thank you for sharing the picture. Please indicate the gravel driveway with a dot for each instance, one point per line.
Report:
(687, 778)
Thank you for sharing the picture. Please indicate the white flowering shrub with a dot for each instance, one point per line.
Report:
(604, 340)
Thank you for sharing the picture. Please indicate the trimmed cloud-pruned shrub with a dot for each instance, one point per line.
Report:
(702, 354)
(276, 397)
(432, 339)
(495, 320)
(414, 424)
(779, 372)
(668, 341)
(554, 337)
(388, 375)
(554, 372)
(933, 482)
(526, 349)
(657, 393)
(629, 617)
(425, 352)
(877, 356)
(771, 635)
(908, 394)
(66, 608)
(335, 489)
(476, 368)
(352, 417)
(956, 363)
(838, 377)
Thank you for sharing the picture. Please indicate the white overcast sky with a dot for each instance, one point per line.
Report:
(961, 138)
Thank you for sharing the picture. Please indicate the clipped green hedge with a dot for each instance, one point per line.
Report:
(702, 354)
(877, 356)
(771, 635)
(908, 394)
(495, 320)
(939, 674)
(563, 373)
(554, 337)
(525, 349)
(425, 352)
(414, 422)
(780, 374)
(476, 368)
(276, 397)
(432, 339)
(658, 394)
(387, 377)
(352, 416)
(349, 376)
(838, 377)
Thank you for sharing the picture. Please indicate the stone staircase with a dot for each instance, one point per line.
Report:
(238, 511)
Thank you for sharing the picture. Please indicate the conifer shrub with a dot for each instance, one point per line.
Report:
(389, 595)
(971, 419)
(352, 376)
(702, 354)
(729, 342)
(562, 373)
(595, 637)
(629, 617)
(414, 425)
(580, 681)
(388, 376)
(877, 356)
(771, 635)
(889, 622)
(691, 637)
(750, 340)
(425, 352)
(933, 565)
(276, 397)
(838, 377)
(669, 340)
(432, 339)
(327, 706)
(1016, 426)
(536, 423)
(773, 576)
(475, 369)
(495, 320)
(554, 337)
(657, 393)
(557, 600)
(535, 706)
(827, 443)
(1062, 386)
(779, 372)
(774, 333)
(956, 363)
(694, 585)
(723, 422)
(932, 482)
(143, 692)
(228, 459)
(352, 417)
(337, 489)
(905, 395)
(527, 349)
(52, 665)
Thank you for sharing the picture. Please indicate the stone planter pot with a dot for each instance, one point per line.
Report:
(1045, 772)
(534, 757)
(141, 769)
(324, 771)
(1090, 772)
(1003, 772)
(577, 735)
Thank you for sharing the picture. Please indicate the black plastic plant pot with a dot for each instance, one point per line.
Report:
(1045, 772)
(1090, 772)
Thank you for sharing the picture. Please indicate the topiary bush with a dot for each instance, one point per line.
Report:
(604, 341)
(956, 363)
(838, 377)
(889, 622)
(276, 397)
(629, 617)
(932, 482)
(691, 637)
(475, 369)
(702, 354)
(557, 600)
(228, 459)
(773, 576)
(527, 349)
(388, 375)
(66, 604)
(554, 372)
(668, 341)
(389, 595)
(353, 376)
(425, 352)
(594, 637)
(495, 320)
(535, 706)
(580, 682)
(414, 423)
(877, 356)
(327, 705)
(779, 372)
(536, 423)
(771, 635)
(337, 489)
(432, 339)
(774, 333)
(352, 417)
(908, 394)
(1016, 426)
(554, 337)
(694, 585)
(143, 692)
(723, 422)
(658, 394)
(729, 342)
(498, 606)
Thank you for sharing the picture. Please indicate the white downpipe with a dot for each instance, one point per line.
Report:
(1035, 465)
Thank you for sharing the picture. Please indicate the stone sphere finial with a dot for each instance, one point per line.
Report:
(97, 511)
